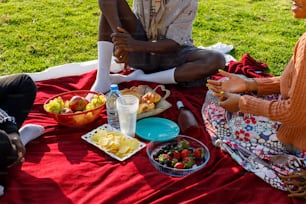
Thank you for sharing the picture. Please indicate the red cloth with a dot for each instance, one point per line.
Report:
(61, 168)
(248, 66)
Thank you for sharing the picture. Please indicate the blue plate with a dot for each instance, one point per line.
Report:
(157, 129)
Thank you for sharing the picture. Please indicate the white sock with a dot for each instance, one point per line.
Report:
(162, 77)
(105, 53)
(30, 132)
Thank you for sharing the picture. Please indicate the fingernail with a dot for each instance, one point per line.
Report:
(221, 92)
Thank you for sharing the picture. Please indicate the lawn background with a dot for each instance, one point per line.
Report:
(35, 34)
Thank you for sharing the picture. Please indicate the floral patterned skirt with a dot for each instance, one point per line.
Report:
(252, 142)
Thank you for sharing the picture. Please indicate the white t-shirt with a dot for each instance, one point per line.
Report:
(174, 21)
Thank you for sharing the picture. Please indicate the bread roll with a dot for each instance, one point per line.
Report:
(147, 98)
(131, 92)
(150, 97)
(145, 107)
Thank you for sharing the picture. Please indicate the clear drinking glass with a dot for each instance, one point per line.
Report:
(127, 106)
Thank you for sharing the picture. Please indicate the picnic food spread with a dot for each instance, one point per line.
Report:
(111, 140)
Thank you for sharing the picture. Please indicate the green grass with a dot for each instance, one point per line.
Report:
(35, 34)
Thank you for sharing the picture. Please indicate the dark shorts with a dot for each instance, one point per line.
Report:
(152, 62)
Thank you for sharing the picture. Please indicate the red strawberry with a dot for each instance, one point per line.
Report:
(179, 165)
(176, 155)
(198, 153)
(185, 153)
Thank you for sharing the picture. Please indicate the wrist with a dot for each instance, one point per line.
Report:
(251, 85)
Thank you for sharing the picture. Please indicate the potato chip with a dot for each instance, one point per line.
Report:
(115, 142)
(123, 149)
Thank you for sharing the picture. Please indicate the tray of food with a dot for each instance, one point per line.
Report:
(113, 142)
(150, 101)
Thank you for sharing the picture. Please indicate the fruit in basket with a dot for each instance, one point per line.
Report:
(95, 102)
(58, 107)
(55, 105)
(78, 103)
(75, 104)
(66, 111)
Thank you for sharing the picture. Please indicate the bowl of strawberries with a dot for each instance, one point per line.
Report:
(178, 157)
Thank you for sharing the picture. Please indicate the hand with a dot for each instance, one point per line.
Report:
(18, 146)
(124, 43)
(228, 101)
(121, 56)
(235, 83)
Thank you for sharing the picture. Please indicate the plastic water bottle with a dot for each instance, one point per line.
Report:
(112, 113)
(187, 122)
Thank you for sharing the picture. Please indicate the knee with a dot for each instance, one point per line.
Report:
(218, 60)
(26, 82)
(29, 82)
(210, 59)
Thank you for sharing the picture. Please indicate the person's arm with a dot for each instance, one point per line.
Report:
(125, 43)
(124, 40)
(290, 110)
(267, 86)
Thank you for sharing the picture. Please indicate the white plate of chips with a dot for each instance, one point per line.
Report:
(113, 142)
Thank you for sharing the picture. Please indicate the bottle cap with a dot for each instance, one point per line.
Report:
(179, 104)
(114, 87)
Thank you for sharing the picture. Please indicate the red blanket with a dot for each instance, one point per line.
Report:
(247, 66)
(62, 168)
